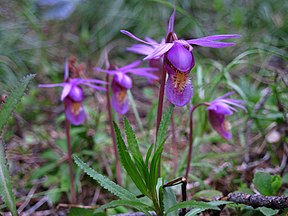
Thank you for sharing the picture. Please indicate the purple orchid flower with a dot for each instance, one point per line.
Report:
(219, 109)
(72, 95)
(178, 59)
(144, 49)
(121, 83)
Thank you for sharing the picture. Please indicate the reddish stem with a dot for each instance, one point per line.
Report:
(117, 164)
(190, 150)
(69, 152)
(160, 106)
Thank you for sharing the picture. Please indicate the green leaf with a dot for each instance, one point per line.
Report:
(133, 204)
(5, 183)
(80, 211)
(128, 163)
(148, 155)
(169, 200)
(162, 131)
(207, 194)
(160, 140)
(192, 204)
(276, 184)
(267, 211)
(114, 188)
(134, 149)
(13, 99)
(267, 184)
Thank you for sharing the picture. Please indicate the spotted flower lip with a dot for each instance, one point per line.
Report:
(121, 83)
(178, 58)
(72, 95)
(218, 109)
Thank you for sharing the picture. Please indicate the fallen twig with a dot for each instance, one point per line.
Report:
(257, 200)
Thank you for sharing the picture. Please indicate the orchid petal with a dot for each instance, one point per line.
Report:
(210, 43)
(129, 34)
(171, 21)
(93, 81)
(95, 87)
(142, 72)
(220, 37)
(178, 97)
(219, 124)
(120, 101)
(141, 49)
(111, 72)
(75, 112)
(66, 70)
(129, 66)
(67, 88)
(159, 51)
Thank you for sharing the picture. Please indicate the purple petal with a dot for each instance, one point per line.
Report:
(111, 72)
(51, 85)
(177, 93)
(93, 81)
(159, 51)
(180, 58)
(66, 70)
(95, 87)
(76, 93)
(144, 72)
(219, 124)
(120, 101)
(221, 37)
(221, 108)
(74, 112)
(225, 95)
(210, 43)
(129, 66)
(67, 88)
(129, 34)
(171, 21)
(123, 80)
(141, 49)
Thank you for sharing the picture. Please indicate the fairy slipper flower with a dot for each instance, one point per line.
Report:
(219, 109)
(178, 59)
(121, 83)
(73, 96)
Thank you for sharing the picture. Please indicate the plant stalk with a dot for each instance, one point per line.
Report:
(70, 161)
(117, 163)
(190, 150)
(160, 106)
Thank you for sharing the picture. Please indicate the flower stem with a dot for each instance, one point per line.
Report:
(69, 152)
(160, 106)
(117, 164)
(191, 138)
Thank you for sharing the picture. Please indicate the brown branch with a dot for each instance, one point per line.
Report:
(256, 200)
